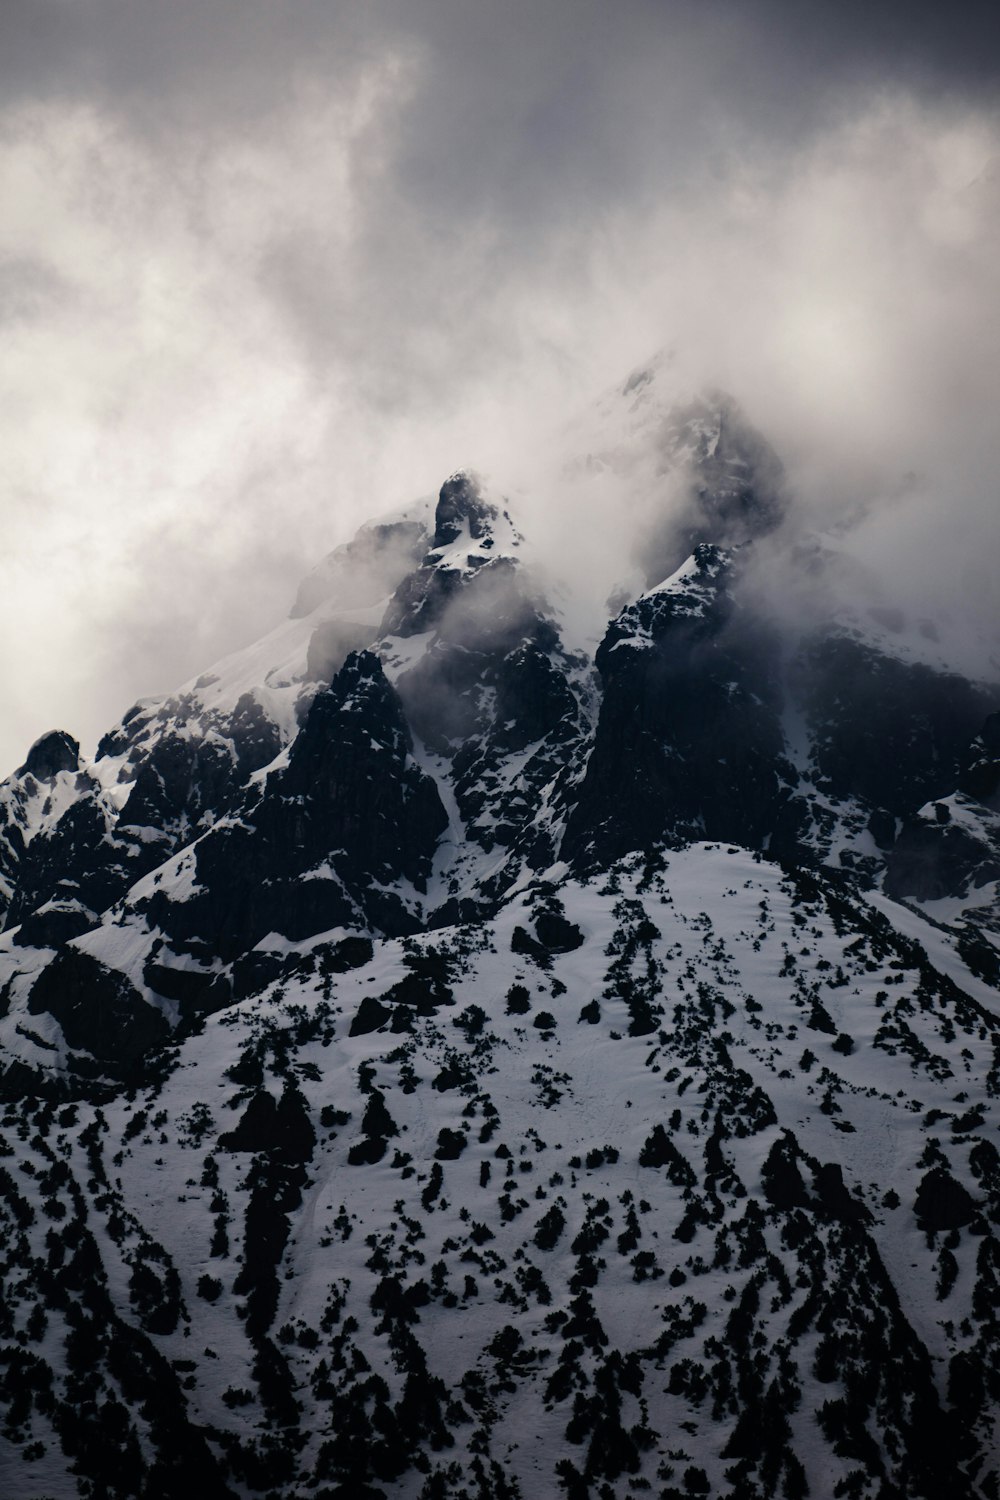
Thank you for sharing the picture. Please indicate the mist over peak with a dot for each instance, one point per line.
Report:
(463, 509)
(422, 250)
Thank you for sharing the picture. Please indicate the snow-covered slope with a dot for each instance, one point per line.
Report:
(683, 1174)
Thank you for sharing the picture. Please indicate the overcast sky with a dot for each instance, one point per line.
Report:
(269, 267)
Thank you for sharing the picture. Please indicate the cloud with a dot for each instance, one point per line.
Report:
(267, 271)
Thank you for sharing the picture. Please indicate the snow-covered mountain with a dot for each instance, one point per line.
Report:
(439, 1063)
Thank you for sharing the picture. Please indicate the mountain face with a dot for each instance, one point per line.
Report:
(437, 1061)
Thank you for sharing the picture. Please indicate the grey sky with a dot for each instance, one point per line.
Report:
(269, 266)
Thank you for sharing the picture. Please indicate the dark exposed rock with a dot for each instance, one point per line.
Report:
(181, 774)
(689, 741)
(55, 923)
(523, 943)
(556, 933)
(943, 1203)
(980, 777)
(80, 860)
(461, 503)
(99, 1012)
(54, 752)
(349, 953)
(188, 986)
(183, 778)
(952, 846)
(350, 812)
(185, 775)
(493, 682)
(370, 1016)
(420, 601)
(356, 787)
(281, 1127)
(254, 971)
(930, 861)
(891, 733)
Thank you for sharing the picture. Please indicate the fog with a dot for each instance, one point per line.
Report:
(268, 271)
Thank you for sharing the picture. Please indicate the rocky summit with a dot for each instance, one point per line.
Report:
(440, 1059)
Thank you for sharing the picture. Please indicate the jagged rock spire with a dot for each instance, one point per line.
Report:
(53, 752)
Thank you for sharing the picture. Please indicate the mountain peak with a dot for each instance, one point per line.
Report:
(51, 753)
(461, 503)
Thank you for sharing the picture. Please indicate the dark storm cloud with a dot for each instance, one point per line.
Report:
(229, 56)
(516, 122)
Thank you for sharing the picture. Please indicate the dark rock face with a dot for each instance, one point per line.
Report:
(51, 754)
(495, 681)
(930, 861)
(102, 1016)
(180, 776)
(82, 860)
(186, 748)
(54, 923)
(420, 601)
(689, 741)
(489, 617)
(351, 773)
(25, 806)
(556, 933)
(943, 1203)
(190, 986)
(350, 813)
(980, 776)
(185, 777)
(889, 732)
(691, 744)
(952, 846)
(461, 503)
(424, 598)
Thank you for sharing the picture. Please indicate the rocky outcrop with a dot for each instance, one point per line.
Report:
(950, 847)
(689, 741)
(54, 752)
(82, 860)
(101, 1016)
(461, 506)
(980, 776)
(350, 816)
(183, 779)
(890, 732)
